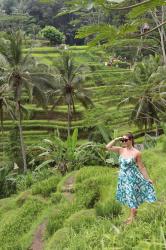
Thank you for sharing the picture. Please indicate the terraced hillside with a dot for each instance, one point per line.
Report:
(104, 85)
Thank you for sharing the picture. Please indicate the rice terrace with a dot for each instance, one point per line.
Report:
(83, 124)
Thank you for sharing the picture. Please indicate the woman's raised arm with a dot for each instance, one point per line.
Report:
(112, 148)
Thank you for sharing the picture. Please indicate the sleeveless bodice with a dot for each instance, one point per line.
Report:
(127, 163)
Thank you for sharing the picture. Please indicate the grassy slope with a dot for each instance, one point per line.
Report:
(76, 225)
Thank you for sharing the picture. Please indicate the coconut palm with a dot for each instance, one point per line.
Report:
(6, 104)
(69, 88)
(22, 72)
(146, 93)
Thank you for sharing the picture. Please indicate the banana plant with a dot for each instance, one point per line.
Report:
(56, 152)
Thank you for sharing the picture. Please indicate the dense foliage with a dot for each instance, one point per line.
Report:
(60, 105)
(51, 33)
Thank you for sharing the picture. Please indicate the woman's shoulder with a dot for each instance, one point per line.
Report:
(137, 152)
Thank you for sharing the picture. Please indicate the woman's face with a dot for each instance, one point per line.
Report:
(126, 142)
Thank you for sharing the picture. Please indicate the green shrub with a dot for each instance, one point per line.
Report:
(57, 218)
(91, 171)
(22, 198)
(7, 181)
(19, 224)
(88, 192)
(46, 187)
(83, 218)
(55, 222)
(54, 35)
(92, 236)
(109, 208)
(131, 236)
(121, 64)
(91, 153)
(56, 197)
(13, 148)
(106, 234)
(59, 239)
(96, 136)
(25, 181)
(153, 214)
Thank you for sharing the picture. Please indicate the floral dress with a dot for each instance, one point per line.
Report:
(133, 189)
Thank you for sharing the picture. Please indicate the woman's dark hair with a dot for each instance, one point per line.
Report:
(131, 137)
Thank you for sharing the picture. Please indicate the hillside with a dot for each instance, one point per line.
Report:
(102, 84)
(80, 83)
(78, 211)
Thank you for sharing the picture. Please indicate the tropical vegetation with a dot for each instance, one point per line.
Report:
(73, 76)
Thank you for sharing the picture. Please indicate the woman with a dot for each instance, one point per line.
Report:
(134, 185)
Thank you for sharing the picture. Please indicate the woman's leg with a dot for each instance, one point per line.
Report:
(133, 213)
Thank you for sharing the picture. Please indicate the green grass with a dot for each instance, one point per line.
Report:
(48, 56)
(103, 233)
(46, 187)
(93, 220)
(15, 227)
(41, 49)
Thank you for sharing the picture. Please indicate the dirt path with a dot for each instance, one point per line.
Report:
(68, 188)
(37, 243)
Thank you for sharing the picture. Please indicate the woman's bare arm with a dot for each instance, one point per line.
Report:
(142, 167)
(112, 148)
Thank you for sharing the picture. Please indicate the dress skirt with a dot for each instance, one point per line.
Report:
(133, 189)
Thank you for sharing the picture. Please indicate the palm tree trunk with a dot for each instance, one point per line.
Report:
(2, 129)
(157, 128)
(69, 119)
(145, 127)
(21, 139)
(162, 36)
(161, 30)
(163, 45)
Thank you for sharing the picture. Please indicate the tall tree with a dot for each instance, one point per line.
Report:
(70, 85)
(159, 16)
(7, 105)
(22, 72)
(9, 6)
(130, 29)
(146, 93)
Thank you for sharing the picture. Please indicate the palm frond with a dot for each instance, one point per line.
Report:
(57, 101)
(43, 81)
(84, 99)
(40, 97)
(127, 100)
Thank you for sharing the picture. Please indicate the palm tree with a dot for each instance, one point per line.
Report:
(6, 105)
(146, 93)
(69, 87)
(22, 72)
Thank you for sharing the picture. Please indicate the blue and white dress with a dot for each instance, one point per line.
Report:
(133, 189)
